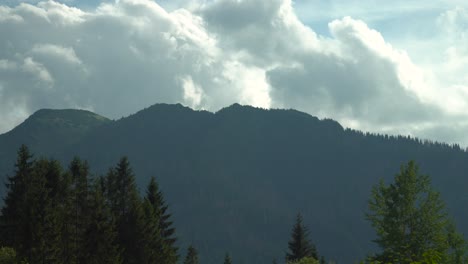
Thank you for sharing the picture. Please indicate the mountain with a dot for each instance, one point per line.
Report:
(236, 179)
(48, 132)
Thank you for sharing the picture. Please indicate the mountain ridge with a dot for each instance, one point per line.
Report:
(235, 178)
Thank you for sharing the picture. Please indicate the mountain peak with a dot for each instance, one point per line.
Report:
(68, 115)
(53, 128)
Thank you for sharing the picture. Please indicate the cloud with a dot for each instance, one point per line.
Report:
(59, 52)
(39, 71)
(192, 92)
(119, 57)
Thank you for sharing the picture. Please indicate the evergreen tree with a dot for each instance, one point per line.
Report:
(127, 211)
(227, 259)
(76, 213)
(99, 245)
(151, 240)
(411, 221)
(156, 199)
(299, 245)
(13, 219)
(56, 208)
(192, 256)
(44, 220)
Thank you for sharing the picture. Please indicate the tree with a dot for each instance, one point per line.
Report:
(99, 245)
(306, 260)
(79, 206)
(299, 246)
(151, 240)
(155, 197)
(127, 212)
(13, 218)
(227, 259)
(411, 222)
(43, 214)
(192, 256)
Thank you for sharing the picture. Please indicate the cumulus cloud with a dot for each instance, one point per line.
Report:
(122, 56)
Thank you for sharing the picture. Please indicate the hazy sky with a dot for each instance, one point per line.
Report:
(381, 66)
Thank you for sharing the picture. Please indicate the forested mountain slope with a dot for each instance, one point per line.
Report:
(235, 179)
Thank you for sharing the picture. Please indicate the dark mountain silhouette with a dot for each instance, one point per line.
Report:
(235, 179)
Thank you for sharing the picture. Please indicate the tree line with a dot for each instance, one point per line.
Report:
(57, 215)
(52, 215)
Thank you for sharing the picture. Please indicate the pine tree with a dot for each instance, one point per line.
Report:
(99, 245)
(227, 259)
(156, 199)
(192, 256)
(299, 245)
(411, 221)
(13, 219)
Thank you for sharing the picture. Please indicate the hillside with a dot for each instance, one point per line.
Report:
(235, 179)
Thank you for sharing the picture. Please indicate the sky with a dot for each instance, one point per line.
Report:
(394, 67)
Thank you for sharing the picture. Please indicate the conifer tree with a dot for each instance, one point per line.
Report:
(99, 245)
(13, 219)
(76, 214)
(152, 242)
(192, 256)
(299, 245)
(156, 199)
(127, 211)
(227, 259)
(44, 222)
(411, 222)
(56, 208)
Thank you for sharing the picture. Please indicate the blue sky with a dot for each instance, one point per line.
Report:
(397, 67)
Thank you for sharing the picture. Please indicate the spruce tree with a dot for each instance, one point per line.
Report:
(156, 199)
(151, 240)
(44, 221)
(127, 211)
(99, 245)
(192, 256)
(227, 259)
(14, 222)
(76, 213)
(299, 245)
(411, 222)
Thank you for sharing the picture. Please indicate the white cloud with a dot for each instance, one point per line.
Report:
(67, 54)
(38, 70)
(193, 94)
(123, 56)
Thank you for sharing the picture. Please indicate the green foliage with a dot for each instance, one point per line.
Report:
(14, 224)
(411, 221)
(99, 243)
(300, 246)
(192, 256)
(127, 211)
(77, 213)
(53, 216)
(7, 256)
(227, 259)
(305, 260)
(155, 199)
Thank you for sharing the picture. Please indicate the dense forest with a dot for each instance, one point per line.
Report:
(52, 215)
(235, 180)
